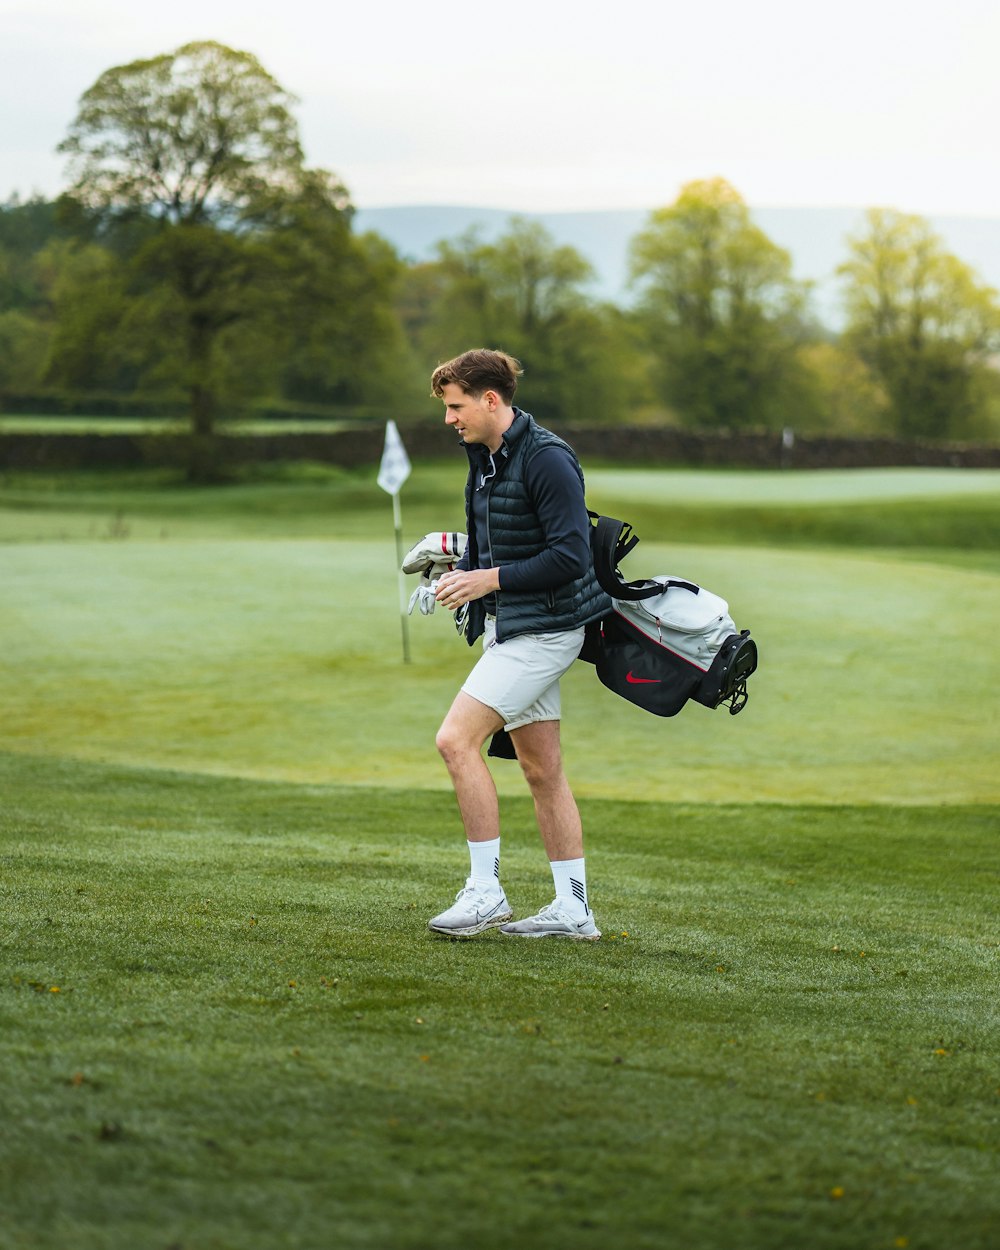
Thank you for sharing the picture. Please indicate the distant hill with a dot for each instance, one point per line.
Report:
(815, 237)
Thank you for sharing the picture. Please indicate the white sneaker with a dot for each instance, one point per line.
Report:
(555, 920)
(475, 908)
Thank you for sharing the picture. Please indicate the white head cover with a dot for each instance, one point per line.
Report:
(434, 554)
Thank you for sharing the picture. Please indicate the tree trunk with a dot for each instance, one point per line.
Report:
(204, 462)
(202, 411)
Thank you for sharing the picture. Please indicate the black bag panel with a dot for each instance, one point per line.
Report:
(726, 679)
(591, 648)
(643, 672)
(502, 746)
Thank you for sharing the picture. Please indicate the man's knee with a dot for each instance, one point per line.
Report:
(464, 730)
(542, 775)
(539, 755)
(457, 742)
(450, 744)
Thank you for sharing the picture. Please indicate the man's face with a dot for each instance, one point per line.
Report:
(474, 419)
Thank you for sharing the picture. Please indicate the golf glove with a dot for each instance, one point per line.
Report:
(423, 597)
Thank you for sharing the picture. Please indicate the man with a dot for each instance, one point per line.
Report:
(527, 584)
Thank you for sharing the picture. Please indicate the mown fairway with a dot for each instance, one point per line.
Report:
(224, 825)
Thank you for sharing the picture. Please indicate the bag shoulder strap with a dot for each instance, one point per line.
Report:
(610, 542)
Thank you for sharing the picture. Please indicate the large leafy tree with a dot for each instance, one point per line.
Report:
(922, 322)
(190, 164)
(720, 309)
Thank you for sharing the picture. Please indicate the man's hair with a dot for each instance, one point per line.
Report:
(477, 371)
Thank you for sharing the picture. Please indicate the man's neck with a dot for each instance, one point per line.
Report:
(505, 419)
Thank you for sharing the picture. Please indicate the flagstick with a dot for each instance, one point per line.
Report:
(392, 473)
(397, 520)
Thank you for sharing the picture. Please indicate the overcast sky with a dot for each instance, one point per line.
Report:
(541, 105)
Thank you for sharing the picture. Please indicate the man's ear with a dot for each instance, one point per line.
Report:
(491, 399)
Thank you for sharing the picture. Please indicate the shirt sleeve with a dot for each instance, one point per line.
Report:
(555, 489)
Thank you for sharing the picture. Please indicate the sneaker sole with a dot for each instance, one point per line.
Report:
(553, 933)
(472, 930)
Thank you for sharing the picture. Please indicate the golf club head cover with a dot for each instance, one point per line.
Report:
(435, 553)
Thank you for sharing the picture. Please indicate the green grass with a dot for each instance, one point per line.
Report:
(223, 826)
(224, 1022)
(929, 511)
(281, 658)
(769, 487)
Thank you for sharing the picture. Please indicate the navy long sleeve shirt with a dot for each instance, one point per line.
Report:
(553, 485)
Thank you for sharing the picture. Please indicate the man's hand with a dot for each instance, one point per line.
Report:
(458, 588)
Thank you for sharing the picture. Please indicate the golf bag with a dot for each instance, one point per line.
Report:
(666, 640)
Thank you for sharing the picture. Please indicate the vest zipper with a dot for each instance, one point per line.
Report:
(489, 539)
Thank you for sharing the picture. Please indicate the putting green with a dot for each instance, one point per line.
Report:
(822, 486)
(282, 659)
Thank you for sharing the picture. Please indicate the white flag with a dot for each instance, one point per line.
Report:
(395, 466)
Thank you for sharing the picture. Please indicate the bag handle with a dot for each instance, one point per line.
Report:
(610, 542)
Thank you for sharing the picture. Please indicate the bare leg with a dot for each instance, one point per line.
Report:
(569, 915)
(460, 740)
(540, 757)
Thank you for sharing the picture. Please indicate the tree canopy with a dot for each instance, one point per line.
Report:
(922, 321)
(721, 311)
(198, 134)
(526, 294)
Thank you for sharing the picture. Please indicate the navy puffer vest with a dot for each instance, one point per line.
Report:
(516, 534)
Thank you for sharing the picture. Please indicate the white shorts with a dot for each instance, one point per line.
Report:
(519, 678)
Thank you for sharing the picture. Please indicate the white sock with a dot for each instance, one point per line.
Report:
(570, 878)
(485, 863)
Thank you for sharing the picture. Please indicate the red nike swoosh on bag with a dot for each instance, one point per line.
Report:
(641, 681)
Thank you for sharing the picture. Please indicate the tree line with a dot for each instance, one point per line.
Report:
(196, 257)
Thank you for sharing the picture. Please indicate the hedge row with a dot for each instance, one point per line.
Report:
(363, 446)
